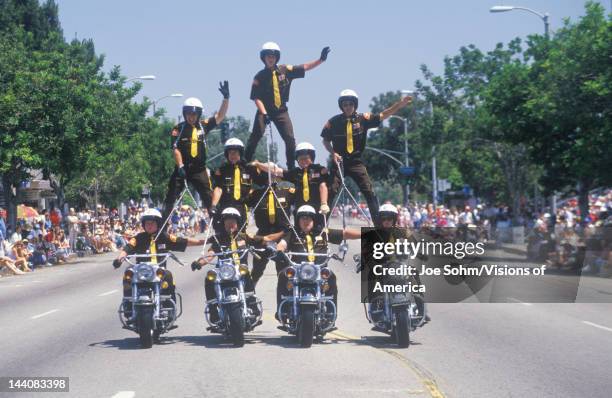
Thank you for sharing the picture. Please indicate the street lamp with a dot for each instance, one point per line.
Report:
(406, 160)
(176, 95)
(543, 17)
(145, 77)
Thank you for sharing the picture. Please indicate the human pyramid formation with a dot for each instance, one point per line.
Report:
(233, 189)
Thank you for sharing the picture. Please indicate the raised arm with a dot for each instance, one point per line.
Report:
(395, 107)
(224, 89)
(311, 65)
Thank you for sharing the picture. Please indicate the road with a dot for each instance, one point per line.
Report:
(62, 321)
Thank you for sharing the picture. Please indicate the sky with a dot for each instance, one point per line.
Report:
(376, 46)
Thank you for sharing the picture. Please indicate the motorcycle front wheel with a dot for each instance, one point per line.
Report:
(306, 328)
(402, 328)
(236, 325)
(145, 326)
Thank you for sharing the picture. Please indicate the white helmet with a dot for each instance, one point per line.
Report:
(151, 215)
(194, 105)
(233, 143)
(270, 48)
(348, 95)
(306, 210)
(388, 210)
(231, 212)
(305, 148)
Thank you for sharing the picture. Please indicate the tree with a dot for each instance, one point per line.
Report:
(557, 102)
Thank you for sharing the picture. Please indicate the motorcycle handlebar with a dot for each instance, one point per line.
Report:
(128, 259)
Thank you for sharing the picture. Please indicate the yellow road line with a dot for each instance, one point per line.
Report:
(430, 384)
(427, 381)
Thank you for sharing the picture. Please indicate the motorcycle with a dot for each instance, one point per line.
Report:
(308, 312)
(396, 314)
(150, 311)
(236, 316)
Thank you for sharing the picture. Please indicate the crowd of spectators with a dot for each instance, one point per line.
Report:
(53, 238)
(562, 239)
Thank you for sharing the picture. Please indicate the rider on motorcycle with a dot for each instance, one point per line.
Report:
(229, 239)
(387, 226)
(309, 240)
(150, 242)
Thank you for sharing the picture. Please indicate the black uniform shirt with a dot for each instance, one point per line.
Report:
(319, 242)
(225, 177)
(263, 215)
(316, 175)
(141, 244)
(223, 242)
(263, 89)
(335, 131)
(181, 138)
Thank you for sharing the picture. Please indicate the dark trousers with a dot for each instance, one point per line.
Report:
(200, 181)
(285, 129)
(356, 169)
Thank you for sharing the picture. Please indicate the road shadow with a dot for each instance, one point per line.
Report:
(129, 343)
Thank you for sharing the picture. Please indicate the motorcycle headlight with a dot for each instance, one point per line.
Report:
(308, 272)
(211, 275)
(144, 272)
(290, 272)
(227, 272)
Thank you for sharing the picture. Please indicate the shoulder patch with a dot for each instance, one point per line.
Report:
(327, 125)
(292, 190)
(324, 170)
(174, 132)
(205, 121)
(218, 172)
(289, 68)
(367, 116)
(172, 238)
(255, 82)
(133, 242)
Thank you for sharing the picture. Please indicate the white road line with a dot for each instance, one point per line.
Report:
(597, 326)
(44, 314)
(124, 394)
(18, 285)
(519, 301)
(107, 293)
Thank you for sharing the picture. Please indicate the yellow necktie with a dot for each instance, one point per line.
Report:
(277, 97)
(306, 187)
(349, 136)
(236, 182)
(194, 142)
(153, 250)
(271, 207)
(235, 256)
(310, 248)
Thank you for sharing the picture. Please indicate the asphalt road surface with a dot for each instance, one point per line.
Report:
(62, 321)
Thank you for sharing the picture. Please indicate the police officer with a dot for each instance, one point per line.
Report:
(146, 243)
(345, 135)
(309, 240)
(271, 215)
(310, 180)
(228, 239)
(189, 150)
(270, 92)
(233, 181)
(387, 226)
